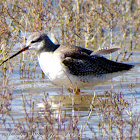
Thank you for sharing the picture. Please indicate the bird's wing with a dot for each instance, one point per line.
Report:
(81, 64)
(104, 51)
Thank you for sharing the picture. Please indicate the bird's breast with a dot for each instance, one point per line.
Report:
(50, 64)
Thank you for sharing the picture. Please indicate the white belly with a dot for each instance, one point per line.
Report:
(52, 66)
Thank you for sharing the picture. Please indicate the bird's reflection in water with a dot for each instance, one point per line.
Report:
(69, 103)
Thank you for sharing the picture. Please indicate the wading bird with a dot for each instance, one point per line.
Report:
(72, 66)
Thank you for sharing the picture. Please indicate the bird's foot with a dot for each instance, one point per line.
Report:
(75, 91)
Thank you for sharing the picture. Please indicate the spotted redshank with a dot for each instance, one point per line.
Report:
(72, 66)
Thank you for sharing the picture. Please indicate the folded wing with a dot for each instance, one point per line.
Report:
(82, 64)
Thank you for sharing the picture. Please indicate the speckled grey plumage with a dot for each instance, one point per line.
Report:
(81, 62)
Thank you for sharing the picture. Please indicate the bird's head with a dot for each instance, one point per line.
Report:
(39, 42)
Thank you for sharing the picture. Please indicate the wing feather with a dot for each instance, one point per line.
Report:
(81, 64)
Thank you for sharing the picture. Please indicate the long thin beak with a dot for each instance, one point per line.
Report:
(22, 50)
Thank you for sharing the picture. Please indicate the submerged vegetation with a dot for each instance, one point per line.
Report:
(93, 24)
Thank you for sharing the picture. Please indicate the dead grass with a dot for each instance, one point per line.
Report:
(117, 118)
(92, 24)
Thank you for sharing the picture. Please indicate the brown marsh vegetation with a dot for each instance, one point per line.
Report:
(93, 24)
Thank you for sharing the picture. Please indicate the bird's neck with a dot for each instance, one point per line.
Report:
(48, 47)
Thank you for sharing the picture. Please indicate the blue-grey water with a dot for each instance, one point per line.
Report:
(29, 89)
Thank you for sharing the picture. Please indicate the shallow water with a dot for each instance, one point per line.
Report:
(31, 93)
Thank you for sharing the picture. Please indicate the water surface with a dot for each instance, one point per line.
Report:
(37, 98)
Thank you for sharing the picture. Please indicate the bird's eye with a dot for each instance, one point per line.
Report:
(37, 40)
